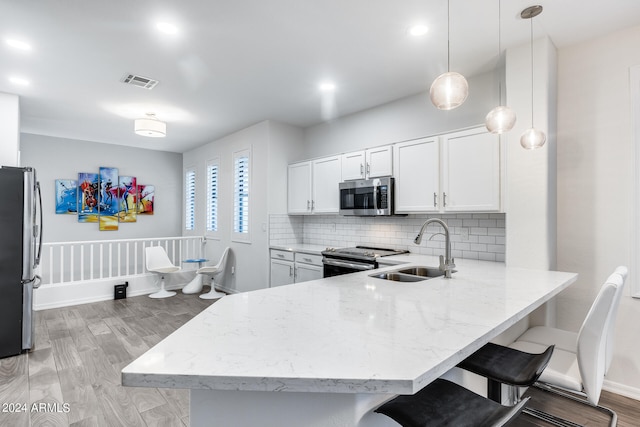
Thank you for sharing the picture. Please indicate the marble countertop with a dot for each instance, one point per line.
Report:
(346, 334)
(300, 247)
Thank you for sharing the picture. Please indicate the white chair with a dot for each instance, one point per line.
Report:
(580, 371)
(214, 271)
(568, 340)
(158, 262)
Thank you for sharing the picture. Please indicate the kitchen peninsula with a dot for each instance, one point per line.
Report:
(325, 352)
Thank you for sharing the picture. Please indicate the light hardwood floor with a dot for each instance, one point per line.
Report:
(80, 350)
(73, 374)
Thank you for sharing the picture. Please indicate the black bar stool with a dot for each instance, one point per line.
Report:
(504, 365)
(443, 403)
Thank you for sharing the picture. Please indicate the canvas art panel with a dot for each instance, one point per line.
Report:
(108, 198)
(88, 197)
(66, 196)
(146, 194)
(127, 199)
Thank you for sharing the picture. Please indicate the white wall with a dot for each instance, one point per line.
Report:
(531, 174)
(272, 145)
(595, 186)
(407, 118)
(9, 130)
(58, 158)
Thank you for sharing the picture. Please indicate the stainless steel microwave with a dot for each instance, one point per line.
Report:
(367, 197)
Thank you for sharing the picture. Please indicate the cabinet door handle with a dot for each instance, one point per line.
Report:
(280, 255)
(444, 199)
(368, 168)
(435, 200)
(308, 204)
(290, 271)
(361, 169)
(313, 204)
(308, 260)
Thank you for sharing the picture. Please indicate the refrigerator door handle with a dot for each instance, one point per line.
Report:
(38, 228)
(37, 281)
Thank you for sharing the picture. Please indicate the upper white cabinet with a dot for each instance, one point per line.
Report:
(417, 176)
(372, 163)
(299, 188)
(471, 171)
(313, 186)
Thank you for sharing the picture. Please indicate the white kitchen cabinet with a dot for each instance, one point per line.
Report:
(313, 186)
(282, 268)
(289, 267)
(308, 267)
(417, 176)
(327, 174)
(299, 188)
(471, 171)
(371, 163)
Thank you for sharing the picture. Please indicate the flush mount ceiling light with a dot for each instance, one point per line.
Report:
(532, 138)
(449, 90)
(502, 118)
(151, 127)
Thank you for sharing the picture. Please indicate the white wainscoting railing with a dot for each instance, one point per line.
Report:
(71, 262)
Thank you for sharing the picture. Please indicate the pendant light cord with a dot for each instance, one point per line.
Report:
(532, 126)
(448, 38)
(499, 51)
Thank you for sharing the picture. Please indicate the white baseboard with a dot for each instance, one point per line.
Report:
(75, 293)
(621, 389)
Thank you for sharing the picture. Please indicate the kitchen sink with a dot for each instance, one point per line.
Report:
(398, 277)
(413, 274)
(423, 271)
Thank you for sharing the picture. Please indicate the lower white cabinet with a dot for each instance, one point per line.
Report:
(294, 267)
(308, 267)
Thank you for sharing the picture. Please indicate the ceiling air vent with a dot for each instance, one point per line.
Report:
(143, 82)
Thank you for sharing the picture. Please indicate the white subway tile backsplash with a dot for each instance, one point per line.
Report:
(473, 235)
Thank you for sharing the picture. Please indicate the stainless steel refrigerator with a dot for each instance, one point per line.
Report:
(20, 249)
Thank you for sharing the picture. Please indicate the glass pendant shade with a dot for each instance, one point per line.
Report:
(532, 139)
(449, 90)
(500, 119)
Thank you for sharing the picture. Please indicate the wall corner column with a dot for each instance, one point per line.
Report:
(9, 129)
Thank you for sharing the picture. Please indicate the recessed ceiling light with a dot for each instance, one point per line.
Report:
(18, 44)
(19, 81)
(327, 87)
(418, 30)
(167, 28)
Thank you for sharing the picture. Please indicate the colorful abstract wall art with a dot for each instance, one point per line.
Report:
(108, 197)
(88, 197)
(66, 196)
(146, 194)
(127, 199)
(104, 198)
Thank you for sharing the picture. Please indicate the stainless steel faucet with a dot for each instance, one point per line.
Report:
(447, 263)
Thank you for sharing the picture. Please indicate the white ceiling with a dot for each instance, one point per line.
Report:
(236, 63)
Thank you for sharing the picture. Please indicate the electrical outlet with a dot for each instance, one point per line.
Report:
(464, 234)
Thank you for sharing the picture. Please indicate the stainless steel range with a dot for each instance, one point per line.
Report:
(339, 261)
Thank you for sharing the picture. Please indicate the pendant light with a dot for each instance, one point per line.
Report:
(449, 90)
(532, 138)
(502, 118)
(150, 127)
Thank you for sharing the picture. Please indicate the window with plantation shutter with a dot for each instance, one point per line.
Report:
(190, 200)
(241, 173)
(212, 195)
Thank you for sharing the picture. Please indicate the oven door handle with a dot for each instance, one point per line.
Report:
(352, 265)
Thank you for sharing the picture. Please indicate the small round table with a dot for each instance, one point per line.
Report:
(195, 285)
